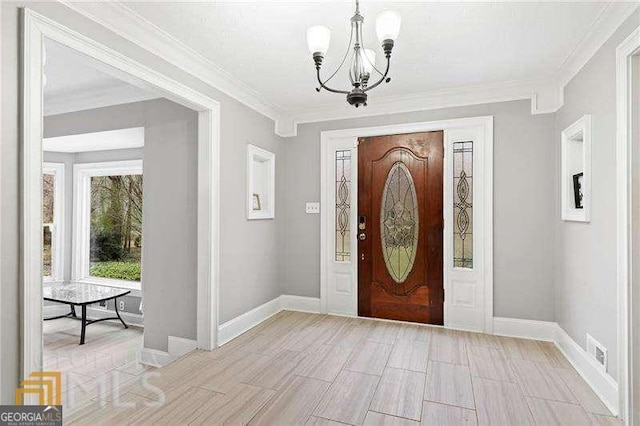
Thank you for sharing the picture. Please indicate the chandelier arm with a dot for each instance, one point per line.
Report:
(367, 58)
(323, 86)
(344, 58)
(383, 78)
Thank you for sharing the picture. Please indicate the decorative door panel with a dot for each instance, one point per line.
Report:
(341, 291)
(395, 270)
(400, 227)
(466, 301)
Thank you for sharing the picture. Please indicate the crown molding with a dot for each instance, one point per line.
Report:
(545, 94)
(612, 15)
(123, 21)
(94, 98)
(544, 98)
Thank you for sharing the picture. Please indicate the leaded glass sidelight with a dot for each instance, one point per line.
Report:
(463, 204)
(343, 205)
(399, 222)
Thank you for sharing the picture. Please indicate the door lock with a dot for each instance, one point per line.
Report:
(362, 236)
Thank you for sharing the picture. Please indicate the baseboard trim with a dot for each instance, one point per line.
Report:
(242, 323)
(178, 346)
(600, 382)
(300, 303)
(238, 325)
(154, 357)
(525, 329)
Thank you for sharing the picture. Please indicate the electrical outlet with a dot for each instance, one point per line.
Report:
(121, 305)
(312, 208)
(598, 352)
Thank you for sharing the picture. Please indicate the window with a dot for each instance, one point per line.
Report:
(108, 203)
(343, 207)
(463, 204)
(116, 227)
(52, 221)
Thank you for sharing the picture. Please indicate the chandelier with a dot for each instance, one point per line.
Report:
(362, 60)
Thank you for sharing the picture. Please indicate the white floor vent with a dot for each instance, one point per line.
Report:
(597, 352)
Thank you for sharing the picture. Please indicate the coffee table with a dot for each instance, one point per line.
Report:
(83, 294)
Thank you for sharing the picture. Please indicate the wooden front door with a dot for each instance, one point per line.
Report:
(400, 227)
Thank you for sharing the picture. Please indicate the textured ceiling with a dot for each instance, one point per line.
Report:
(442, 45)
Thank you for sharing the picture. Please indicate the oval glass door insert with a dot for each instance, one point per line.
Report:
(399, 222)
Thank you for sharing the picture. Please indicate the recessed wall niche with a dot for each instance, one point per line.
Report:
(261, 167)
(576, 171)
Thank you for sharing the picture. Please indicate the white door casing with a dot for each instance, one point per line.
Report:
(469, 292)
(624, 200)
(35, 28)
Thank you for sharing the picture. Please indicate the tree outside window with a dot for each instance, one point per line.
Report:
(48, 196)
(116, 227)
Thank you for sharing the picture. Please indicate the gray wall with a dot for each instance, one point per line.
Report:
(242, 243)
(523, 208)
(585, 283)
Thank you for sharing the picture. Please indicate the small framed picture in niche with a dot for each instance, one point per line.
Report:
(261, 189)
(256, 202)
(578, 194)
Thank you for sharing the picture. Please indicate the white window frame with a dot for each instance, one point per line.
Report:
(82, 174)
(57, 227)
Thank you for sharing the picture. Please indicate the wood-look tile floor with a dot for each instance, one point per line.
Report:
(308, 369)
(108, 358)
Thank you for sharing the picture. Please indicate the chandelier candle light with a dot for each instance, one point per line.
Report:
(362, 60)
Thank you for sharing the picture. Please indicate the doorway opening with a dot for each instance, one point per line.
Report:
(400, 227)
(105, 193)
(94, 188)
(465, 221)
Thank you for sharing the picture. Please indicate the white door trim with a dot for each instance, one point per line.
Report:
(35, 28)
(330, 138)
(628, 48)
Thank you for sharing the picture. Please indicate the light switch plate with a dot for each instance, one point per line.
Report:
(312, 208)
